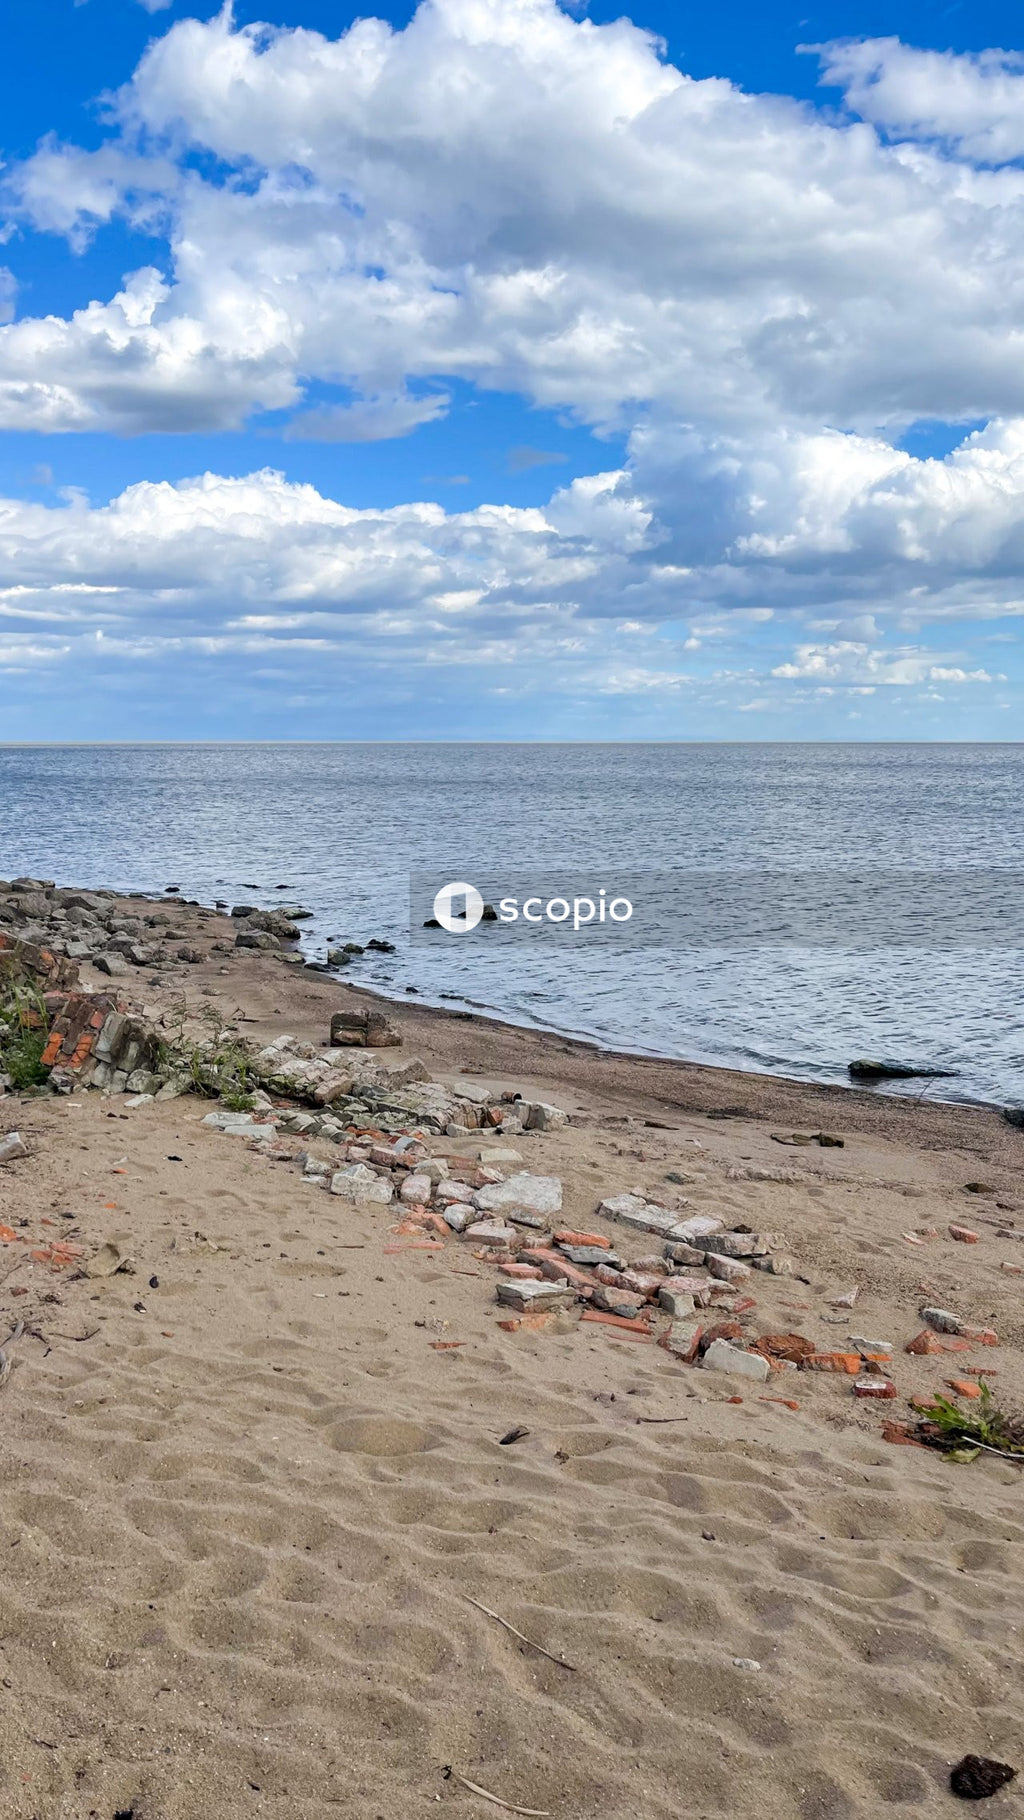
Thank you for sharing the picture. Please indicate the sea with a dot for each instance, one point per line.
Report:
(343, 828)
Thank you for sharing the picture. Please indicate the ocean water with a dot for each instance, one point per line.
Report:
(342, 828)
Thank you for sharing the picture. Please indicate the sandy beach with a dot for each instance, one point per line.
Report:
(257, 1496)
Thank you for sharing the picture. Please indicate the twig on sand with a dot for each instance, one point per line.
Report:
(650, 1419)
(559, 1660)
(5, 1363)
(539, 1813)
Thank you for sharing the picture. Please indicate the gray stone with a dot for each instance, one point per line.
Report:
(534, 1298)
(114, 965)
(528, 1193)
(735, 1244)
(722, 1356)
(623, 1302)
(541, 1117)
(591, 1254)
(683, 1254)
(256, 938)
(492, 1232)
(358, 1183)
(676, 1302)
(697, 1227)
(458, 1215)
(727, 1270)
(12, 1146)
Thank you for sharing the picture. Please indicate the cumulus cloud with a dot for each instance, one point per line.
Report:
(973, 103)
(761, 297)
(530, 202)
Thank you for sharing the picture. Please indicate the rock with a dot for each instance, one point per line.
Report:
(677, 1303)
(363, 1030)
(880, 1389)
(534, 1297)
(376, 946)
(870, 1346)
(683, 1339)
(114, 965)
(12, 1146)
(642, 1215)
(358, 1183)
(699, 1226)
(240, 1124)
(721, 1355)
(492, 1232)
(458, 1215)
(896, 1071)
(735, 1244)
(974, 1778)
(528, 1193)
(964, 1235)
(941, 1320)
(683, 1254)
(588, 1254)
(625, 1302)
(541, 1117)
(416, 1188)
(256, 938)
(829, 1142)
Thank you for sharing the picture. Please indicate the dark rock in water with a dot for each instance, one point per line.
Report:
(338, 957)
(1014, 1115)
(431, 923)
(244, 910)
(352, 948)
(489, 914)
(412, 988)
(976, 1777)
(896, 1071)
(172, 887)
(376, 946)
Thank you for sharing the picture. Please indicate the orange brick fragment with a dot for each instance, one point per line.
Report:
(899, 1435)
(565, 1237)
(787, 1402)
(924, 1342)
(848, 1362)
(638, 1328)
(528, 1323)
(964, 1388)
(964, 1235)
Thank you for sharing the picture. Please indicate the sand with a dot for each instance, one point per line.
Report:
(251, 1488)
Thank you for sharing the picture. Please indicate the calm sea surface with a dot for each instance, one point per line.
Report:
(343, 826)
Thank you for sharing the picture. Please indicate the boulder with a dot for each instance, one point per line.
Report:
(529, 1193)
(363, 1030)
(358, 1183)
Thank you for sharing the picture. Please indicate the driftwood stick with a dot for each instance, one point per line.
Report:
(541, 1651)
(539, 1813)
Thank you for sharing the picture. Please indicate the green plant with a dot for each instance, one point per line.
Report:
(965, 1432)
(22, 1034)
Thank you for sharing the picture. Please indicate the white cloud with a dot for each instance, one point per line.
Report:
(975, 102)
(852, 665)
(369, 419)
(502, 193)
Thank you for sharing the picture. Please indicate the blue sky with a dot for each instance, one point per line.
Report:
(499, 369)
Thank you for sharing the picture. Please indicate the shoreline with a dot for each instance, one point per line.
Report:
(281, 1470)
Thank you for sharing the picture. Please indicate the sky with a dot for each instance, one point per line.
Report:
(500, 369)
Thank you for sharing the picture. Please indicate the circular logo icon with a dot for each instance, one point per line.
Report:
(458, 908)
